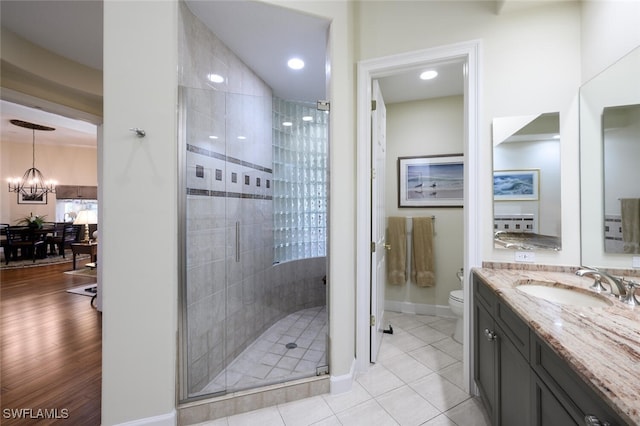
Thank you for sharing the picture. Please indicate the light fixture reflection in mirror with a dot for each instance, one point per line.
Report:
(526, 182)
(621, 153)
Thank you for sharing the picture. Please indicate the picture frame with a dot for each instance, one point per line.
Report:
(431, 181)
(516, 185)
(28, 199)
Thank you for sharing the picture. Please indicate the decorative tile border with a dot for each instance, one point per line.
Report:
(227, 194)
(244, 179)
(213, 154)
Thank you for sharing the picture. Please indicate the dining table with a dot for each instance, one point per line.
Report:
(26, 233)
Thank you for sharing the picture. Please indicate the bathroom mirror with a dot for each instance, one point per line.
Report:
(609, 152)
(526, 182)
(621, 151)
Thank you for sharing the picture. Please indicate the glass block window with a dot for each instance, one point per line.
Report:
(300, 146)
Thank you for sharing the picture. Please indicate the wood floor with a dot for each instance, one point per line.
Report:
(51, 345)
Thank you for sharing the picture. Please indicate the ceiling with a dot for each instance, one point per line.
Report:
(264, 36)
(406, 85)
(72, 29)
(68, 131)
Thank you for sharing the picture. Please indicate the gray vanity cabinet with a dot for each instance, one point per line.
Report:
(502, 372)
(547, 409)
(486, 359)
(522, 381)
(574, 400)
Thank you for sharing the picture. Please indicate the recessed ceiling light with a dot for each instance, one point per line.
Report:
(307, 118)
(287, 123)
(242, 137)
(213, 137)
(215, 78)
(295, 63)
(428, 75)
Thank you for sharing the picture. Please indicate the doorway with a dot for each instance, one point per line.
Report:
(368, 71)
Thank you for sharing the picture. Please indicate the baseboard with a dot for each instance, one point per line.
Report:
(168, 419)
(343, 383)
(418, 308)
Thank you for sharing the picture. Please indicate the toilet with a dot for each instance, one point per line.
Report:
(456, 304)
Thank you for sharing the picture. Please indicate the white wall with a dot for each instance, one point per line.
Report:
(429, 127)
(610, 30)
(139, 212)
(530, 65)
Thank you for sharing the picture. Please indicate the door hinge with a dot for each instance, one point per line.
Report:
(372, 320)
(323, 105)
(373, 173)
(322, 370)
(374, 104)
(373, 247)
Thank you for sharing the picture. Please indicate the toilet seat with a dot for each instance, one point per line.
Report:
(456, 304)
(457, 295)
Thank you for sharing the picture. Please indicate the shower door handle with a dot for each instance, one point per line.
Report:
(238, 241)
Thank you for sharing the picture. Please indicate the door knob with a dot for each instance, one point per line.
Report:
(490, 335)
(387, 246)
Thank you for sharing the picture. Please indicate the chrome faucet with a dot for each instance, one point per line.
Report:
(598, 276)
(626, 288)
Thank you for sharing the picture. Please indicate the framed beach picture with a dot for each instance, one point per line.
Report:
(32, 198)
(516, 185)
(431, 181)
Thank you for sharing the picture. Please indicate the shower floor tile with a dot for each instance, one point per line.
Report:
(268, 359)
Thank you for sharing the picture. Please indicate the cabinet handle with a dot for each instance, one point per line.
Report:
(590, 420)
(491, 336)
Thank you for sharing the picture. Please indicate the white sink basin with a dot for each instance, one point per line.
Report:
(564, 295)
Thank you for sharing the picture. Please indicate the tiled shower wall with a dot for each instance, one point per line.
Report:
(233, 292)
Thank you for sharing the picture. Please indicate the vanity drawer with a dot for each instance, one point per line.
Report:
(577, 397)
(483, 294)
(514, 327)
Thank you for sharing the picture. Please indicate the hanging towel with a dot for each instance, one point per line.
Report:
(397, 256)
(422, 266)
(630, 208)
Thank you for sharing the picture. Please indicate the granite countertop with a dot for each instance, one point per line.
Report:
(601, 343)
(526, 241)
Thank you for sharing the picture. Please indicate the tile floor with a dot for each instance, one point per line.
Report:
(416, 381)
(268, 360)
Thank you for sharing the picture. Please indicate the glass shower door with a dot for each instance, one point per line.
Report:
(250, 237)
(246, 319)
(228, 239)
(204, 238)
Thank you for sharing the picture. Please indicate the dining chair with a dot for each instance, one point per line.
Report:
(24, 239)
(63, 235)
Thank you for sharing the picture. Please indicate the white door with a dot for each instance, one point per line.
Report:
(378, 220)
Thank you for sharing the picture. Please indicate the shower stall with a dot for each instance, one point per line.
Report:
(253, 225)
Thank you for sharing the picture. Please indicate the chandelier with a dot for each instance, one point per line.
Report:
(32, 185)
